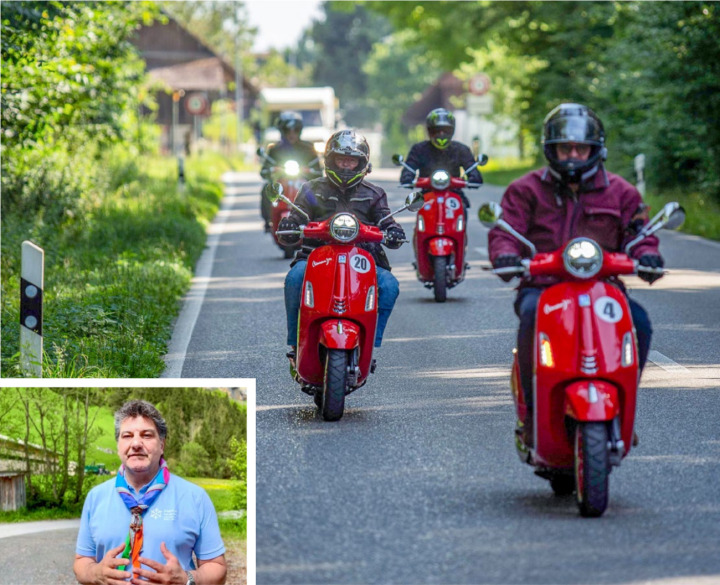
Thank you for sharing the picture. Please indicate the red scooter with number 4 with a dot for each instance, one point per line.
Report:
(338, 311)
(585, 362)
(440, 238)
(290, 176)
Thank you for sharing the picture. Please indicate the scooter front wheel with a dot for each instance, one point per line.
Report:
(440, 278)
(335, 384)
(591, 468)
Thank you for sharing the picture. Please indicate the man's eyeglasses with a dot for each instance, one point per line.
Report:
(567, 148)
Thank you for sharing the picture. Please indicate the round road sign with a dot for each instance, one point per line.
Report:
(479, 84)
(196, 104)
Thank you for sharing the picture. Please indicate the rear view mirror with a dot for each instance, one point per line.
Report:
(482, 160)
(415, 201)
(276, 191)
(673, 216)
(489, 214)
(397, 159)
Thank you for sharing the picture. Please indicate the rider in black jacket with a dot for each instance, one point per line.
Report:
(347, 161)
(290, 147)
(440, 152)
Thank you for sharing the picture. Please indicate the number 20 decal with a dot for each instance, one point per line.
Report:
(360, 263)
(608, 309)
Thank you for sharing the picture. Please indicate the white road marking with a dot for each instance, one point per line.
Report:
(182, 332)
(666, 363)
(20, 528)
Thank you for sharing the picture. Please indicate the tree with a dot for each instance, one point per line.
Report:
(340, 46)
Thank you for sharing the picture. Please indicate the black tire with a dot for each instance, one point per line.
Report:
(563, 485)
(440, 276)
(288, 252)
(591, 468)
(335, 384)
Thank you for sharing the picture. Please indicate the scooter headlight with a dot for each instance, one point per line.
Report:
(440, 180)
(344, 227)
(583, 258)
(292, 168)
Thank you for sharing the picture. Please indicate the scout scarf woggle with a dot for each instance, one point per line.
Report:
(134, 540)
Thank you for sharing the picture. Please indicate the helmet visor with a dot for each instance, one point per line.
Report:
(578, 129)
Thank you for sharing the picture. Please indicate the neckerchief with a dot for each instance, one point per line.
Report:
(134, 539)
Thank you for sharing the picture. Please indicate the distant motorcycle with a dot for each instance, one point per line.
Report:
(291, 176)
(338, 312)
(585, 362)
(440, 237)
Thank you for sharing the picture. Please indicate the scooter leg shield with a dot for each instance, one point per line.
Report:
(339, 334)
(592, 400)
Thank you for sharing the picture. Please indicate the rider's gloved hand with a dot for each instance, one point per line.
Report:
(505, 261)
(287, 224)
(652, 261)
(394, 237)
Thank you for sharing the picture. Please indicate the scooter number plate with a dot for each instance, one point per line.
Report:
(360, 263)
(608, 309)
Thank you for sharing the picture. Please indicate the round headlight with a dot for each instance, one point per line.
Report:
(344, 227)
(440, 180)
(292, 169)
(583, 258)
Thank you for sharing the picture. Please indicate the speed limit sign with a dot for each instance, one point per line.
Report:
(196, 104)
(479, 84)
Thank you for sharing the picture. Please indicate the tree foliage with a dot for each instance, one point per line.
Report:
(650, 69)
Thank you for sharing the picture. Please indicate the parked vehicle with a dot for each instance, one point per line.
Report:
(338, 313)
(440, 237)
(585, 362)
(291, 176)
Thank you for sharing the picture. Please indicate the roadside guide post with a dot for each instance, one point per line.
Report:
(32, 277)
(640, 173)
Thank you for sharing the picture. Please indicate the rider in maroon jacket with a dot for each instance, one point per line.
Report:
(574, 196)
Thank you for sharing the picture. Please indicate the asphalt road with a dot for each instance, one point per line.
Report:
(419, 482)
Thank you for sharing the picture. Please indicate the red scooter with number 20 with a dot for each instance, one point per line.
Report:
(585, 362)
(338, 310)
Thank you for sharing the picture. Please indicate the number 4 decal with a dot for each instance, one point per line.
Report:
(608, 309)
(360, 263)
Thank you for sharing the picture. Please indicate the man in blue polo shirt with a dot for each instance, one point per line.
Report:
(146, 523)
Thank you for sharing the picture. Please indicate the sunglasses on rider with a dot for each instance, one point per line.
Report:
(567, 148)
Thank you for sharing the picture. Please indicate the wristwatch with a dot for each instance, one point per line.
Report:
(191, 579)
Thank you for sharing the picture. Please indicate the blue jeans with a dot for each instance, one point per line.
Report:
(526, 307)
(388, 291)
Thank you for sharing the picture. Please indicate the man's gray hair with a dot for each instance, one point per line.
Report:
(136, 408)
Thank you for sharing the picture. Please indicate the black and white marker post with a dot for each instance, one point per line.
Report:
(31, 299)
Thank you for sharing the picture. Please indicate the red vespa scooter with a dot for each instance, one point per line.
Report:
(338, 311)
(585, 362)
(289, 176)
(440, 239)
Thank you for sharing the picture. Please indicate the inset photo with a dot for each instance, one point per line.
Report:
(125, 484)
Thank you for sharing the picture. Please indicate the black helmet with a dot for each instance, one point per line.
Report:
(578, 124)
(441, 127)
(346, 143)
(289, 120)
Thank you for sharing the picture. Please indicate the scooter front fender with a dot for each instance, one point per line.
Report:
(339, 334)
(592, 400)
(441, 247)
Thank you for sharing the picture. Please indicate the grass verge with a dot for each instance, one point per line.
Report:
(115, 267)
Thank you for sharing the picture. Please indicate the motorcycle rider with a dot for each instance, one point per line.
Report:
(441, 152)
(573, 196)
(290, 147)
(343, 188)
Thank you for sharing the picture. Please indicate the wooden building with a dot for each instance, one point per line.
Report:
(12, 490)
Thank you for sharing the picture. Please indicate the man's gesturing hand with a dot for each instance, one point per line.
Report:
(106, 571)
(171, 573)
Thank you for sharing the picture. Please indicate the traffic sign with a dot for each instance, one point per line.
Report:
(196, 104)
(479, 84)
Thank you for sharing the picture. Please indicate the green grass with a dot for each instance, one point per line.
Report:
(115, 266)
(702, 213)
